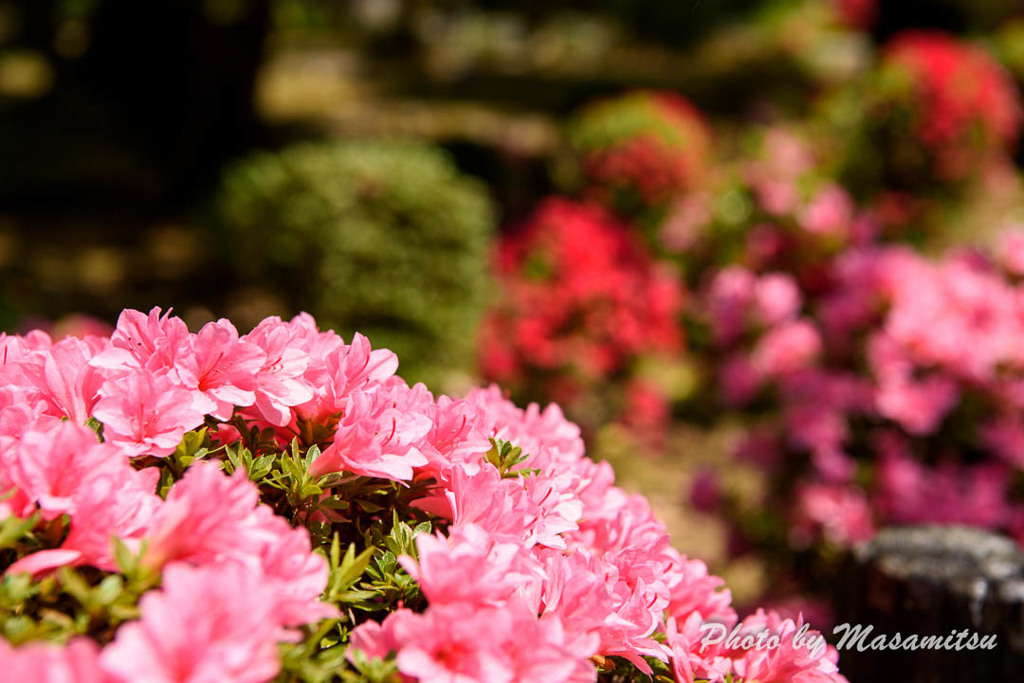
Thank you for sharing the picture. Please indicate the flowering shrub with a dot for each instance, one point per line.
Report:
(383, 237)
(280, 506)
(639, 151)
(777, 208)
(936, 111)
(857, 14)
(894, 396)
(583, 305)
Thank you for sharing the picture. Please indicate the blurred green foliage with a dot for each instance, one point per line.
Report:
(385, 238)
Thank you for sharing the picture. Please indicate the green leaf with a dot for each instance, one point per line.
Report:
(13, 530)
(368, 506)
(387, 563)
(109, 590)
(126, 561)
(74, 584)
(353, 597)
(351, 568)
(504, 456)
(261, 467)
(311, 455)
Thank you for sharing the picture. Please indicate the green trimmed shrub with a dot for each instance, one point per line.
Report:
(382, 237)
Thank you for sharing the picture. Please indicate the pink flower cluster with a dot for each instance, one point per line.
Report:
(903, 376)
(581, 303)
(543, 576)
(538, 569)
(953, 98)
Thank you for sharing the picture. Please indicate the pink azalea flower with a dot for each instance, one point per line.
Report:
(461, 643)
(839, 513)
(498, 505)
(829, 213)
(295, 576)
(209, 516)
(52, 463)
(458, 643)
(66, 380)
(280, 383)
(76, 662)
(687, 218)
(555, 510)
(574, 589)
(910, 493)
(119, 505)
(792, 660)
(731, 293)
(694, 590)
(348, 369)
(205, 624)
(469, 566)
(918, 406)
(1005, 437)
(738, 380)
(777, 298)
(787, 348)
(375, 640)
(145, 414)
(1010, 250)
(151, 341)
(690, 660)
(377, 437)
(538, 572)
(456, 439)
(221, 370)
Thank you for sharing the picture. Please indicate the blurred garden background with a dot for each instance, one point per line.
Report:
(769, 254)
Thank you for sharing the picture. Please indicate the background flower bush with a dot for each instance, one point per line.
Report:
(891, 396)
(383, 237)
(939, 108)
(639, 151)
(281, 506)
(583, 308)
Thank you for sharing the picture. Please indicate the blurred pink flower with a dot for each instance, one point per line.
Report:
(786, 348)
(1010, 250)
(53, 462)
(838, 513)
(918, 406)
(777, 297)
(911, 493)
(76, 662)
(829, 214)
(205, 624)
